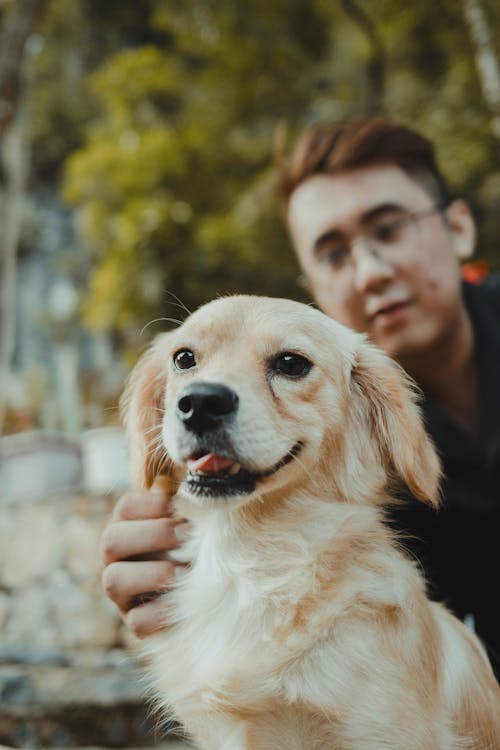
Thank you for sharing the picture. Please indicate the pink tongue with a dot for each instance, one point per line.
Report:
(210, 464)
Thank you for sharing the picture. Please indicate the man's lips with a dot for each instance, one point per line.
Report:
(390, 311)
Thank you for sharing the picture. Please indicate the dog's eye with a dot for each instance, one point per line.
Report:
(184, 359)
(291, 365)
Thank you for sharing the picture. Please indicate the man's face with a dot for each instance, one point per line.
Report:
(380, 257)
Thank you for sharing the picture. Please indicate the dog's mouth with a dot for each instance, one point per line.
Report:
(214, 475)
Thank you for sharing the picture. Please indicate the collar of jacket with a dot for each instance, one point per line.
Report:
(483, 306)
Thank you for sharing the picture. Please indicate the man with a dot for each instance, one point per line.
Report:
(380, 244)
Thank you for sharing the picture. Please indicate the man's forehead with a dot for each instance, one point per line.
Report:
(353, 192)
(343, 201)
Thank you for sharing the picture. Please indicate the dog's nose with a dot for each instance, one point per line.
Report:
(204, 407)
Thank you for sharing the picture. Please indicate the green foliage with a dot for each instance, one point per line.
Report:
(76, 38)
(173, 184)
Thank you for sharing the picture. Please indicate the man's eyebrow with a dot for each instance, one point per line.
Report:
(330, 234)
(382, 208)
(366, 218)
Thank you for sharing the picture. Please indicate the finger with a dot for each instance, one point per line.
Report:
(123, 582)
(125, 539)
(146, 619)
(139, 505)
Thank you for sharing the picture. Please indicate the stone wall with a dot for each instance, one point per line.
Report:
(66, 678)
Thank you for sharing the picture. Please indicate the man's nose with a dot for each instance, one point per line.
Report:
(371, 269)
(204, 407)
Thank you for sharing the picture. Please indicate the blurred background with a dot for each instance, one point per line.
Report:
(136, 175)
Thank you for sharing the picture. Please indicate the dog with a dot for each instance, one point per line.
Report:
(300, 623)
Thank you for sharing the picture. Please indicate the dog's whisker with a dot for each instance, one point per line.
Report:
(155, 429)
(159, 410)
(178, 302)
(154, 444)
(158, 320)
(301, 463)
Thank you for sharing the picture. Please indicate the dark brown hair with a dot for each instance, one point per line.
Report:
(329, 148)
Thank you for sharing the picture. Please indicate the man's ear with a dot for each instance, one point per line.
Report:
(142, 409)
(462, 227)
(390, 404)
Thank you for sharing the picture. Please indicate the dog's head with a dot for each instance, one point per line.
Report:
(252, 396)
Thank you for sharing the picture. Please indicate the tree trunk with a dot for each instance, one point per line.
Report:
(376, 66)
(486, 62)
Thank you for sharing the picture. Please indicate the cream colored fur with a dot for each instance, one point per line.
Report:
(300, 624)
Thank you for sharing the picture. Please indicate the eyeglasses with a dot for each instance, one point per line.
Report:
(387, 236)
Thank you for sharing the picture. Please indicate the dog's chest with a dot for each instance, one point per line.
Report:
(223, 649)
(231, 615)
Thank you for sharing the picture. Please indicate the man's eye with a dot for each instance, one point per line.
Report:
(389, 231)
(335, 256)
(184, 359)
(291, 365)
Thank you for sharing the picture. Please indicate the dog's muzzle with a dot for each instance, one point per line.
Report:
(213, 468)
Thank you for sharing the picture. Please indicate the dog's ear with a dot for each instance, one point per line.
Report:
(394, 419)
(142, 408)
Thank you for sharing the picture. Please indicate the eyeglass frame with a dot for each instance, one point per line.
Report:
(406, 218)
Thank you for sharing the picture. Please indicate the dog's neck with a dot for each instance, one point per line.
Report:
(294, 518)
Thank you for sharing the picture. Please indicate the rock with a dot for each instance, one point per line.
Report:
(65, 678)
(36, 464)
(88, 701)
(30, 541)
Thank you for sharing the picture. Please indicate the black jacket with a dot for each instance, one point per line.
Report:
(459, 547)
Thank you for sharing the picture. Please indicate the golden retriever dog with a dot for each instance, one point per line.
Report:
(300, 624)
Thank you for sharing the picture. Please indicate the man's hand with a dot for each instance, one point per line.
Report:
(133, 552)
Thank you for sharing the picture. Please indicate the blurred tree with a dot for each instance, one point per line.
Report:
(46, 50)
(172, 182)
(487, 64)
(172, 185)
(19, 21)
(434, 84)
(78, 37)
(376, 62)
